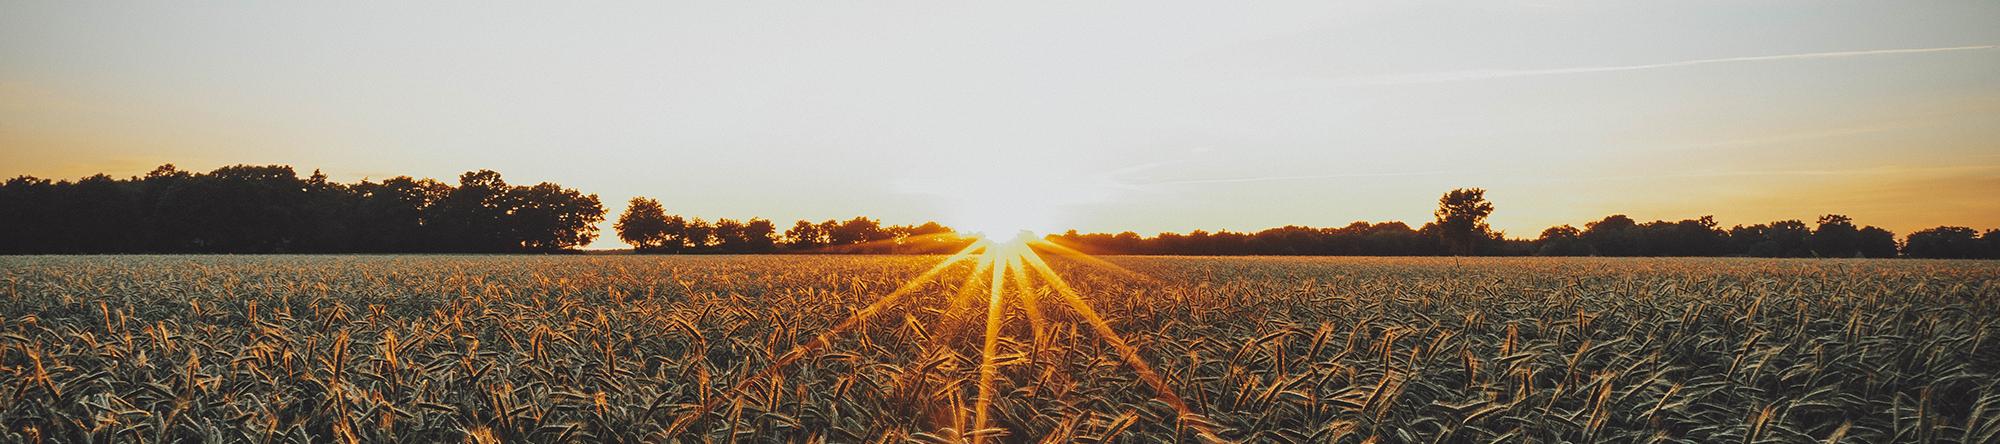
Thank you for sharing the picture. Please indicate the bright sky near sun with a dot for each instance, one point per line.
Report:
(1101, 116)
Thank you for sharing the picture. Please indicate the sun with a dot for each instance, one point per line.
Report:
(1001, 221)
(998, 200)
(1004, 237)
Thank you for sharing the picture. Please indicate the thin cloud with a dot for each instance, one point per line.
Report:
(1810, 135)
(1286, 178)
(1870, 171)
(1486, 74)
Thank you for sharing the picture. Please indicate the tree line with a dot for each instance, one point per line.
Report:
(649, 229)
(1460, 229)
(270, 209)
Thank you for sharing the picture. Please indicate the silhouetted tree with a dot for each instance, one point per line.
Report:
(697, 235)
(27, 215)
(99, 214)
(1288, 240)
(548, 217)
(857, 231)
(643, 226)
(390, 215)
(1563, 241)
(805, 235)
(676, 230)
(236, 209)
(1615, 235)
(1359, 238)
(1787, 238)
(1743, 240)
(1945, 243)
(1876, 242)
(1398, 239)
(325, 223)
(1687, 237)
(759, 236)
(827, 228)
(471, 218)
(1992, 240)
(1836, 237)
(1461, 220)
(154, 188)
(269, 209)
(729, 236)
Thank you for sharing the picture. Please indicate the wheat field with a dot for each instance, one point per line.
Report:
(681, 348)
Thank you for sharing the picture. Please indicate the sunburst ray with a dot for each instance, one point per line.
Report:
(1125, 350)
(991, 347)
(826, 338)
(1015, 263)
(1066, 252)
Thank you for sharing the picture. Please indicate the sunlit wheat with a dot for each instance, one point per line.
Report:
(923, 348)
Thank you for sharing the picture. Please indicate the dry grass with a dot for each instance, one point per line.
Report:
(492, 349)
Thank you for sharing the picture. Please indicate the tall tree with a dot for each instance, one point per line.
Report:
(759, 236)
(270, 209)
(827, 229)
(1944, 243)
(390, 215)
(644, 225)
(1876, 242)
(1614, 235)
(326, 224)
(472, 218)
(805, 235)
(729, 236)
(1562, 241)
(676, 229)
(235, 209)
(547, 217)
(27, 215)
(1461, 220)
(1991, 239)
(100, 214)
(1836, 237)
(1785, 238)
(697, 235)
(857, 231)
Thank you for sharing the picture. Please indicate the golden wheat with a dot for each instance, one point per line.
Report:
(630, 348)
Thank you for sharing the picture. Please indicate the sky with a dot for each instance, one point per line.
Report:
(1146, 116)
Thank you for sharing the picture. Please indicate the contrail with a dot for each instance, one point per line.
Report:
(1483, 74)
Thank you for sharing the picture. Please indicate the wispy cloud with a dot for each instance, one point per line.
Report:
(1484, 74)
(1890, 170)
(1285, 178)
(1801, 136)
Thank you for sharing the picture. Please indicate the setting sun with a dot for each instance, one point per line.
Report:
(998, 225)
(996, 213)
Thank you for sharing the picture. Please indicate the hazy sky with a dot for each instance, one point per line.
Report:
(1145, 116)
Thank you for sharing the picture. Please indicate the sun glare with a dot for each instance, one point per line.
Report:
(998, 198)
(1007, 264)
(1001, 222)
(1000, 237)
